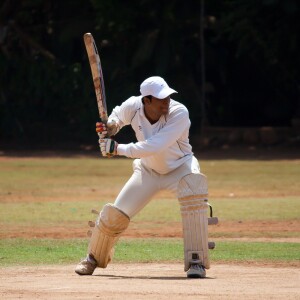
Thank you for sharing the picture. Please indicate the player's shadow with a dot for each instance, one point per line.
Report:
(151, 277)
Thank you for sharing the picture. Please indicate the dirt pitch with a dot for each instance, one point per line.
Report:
(150, 281)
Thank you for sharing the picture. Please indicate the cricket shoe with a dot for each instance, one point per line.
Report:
(196, 271)
(86, 266)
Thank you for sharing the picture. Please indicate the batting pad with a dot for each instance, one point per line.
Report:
(192, 196)
(108, 228)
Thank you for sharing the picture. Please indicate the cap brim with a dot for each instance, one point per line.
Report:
(165, 93)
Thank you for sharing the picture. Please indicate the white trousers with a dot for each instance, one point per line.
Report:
(145, 183)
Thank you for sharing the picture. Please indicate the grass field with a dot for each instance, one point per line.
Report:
(45, 251)
(251, 198)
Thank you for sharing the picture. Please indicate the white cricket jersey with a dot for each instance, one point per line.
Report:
(163, 146)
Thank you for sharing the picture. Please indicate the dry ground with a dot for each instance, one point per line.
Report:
(156, 229)
(150, 281)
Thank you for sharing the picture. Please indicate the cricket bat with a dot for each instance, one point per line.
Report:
(95, 64)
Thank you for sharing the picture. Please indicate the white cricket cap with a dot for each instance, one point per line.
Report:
(157, 87)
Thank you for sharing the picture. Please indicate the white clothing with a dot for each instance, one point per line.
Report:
(145, 183)
(163, 149)
(163, 146)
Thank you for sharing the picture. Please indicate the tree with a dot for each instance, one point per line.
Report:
(263, 35)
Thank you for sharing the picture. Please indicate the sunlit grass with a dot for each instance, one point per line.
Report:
(48, 251)
(160, 210)
(73, 179)
(57, 179)
(62, 191)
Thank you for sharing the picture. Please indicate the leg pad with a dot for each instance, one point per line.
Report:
(192, 196)
(109, 226)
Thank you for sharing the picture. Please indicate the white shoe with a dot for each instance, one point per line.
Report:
(86, 267)
(196, 271)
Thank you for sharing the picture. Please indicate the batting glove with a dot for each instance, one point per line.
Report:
(108, 147)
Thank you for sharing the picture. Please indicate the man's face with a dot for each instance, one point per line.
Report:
(159, 106)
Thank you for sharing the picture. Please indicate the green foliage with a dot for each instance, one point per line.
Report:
(263, 42)
(47, 96)
(41, 81)
(146, 38)
(266, 31)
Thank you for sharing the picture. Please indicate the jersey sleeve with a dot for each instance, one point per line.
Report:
(124, 113)
(179, 122)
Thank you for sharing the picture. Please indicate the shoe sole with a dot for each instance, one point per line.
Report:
(195, 276)
(82, 273)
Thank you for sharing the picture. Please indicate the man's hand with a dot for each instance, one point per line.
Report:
(107, 130)
(112, 127)
(101, 129)
(108, 147)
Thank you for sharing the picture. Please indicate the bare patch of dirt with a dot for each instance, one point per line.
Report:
(226, 229)
(149, 281)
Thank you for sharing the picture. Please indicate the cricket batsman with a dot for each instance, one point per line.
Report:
(163, 160)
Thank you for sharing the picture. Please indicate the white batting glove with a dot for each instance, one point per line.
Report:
(108, 147)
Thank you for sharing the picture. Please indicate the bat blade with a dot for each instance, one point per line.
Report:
(96, 68)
